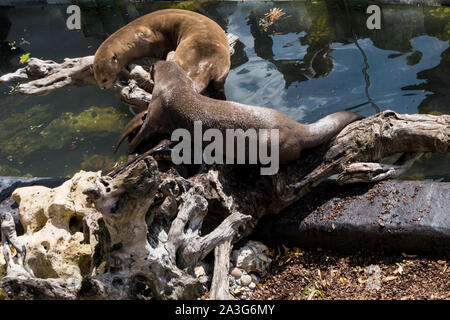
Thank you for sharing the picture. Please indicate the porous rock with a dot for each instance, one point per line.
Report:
(56, 226)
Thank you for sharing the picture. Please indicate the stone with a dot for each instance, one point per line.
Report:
(236, 273)
(252, 257)
(252, 286)
(416, 219)
(56, 224)
(199, 271)
(374, 277)
(246, 280)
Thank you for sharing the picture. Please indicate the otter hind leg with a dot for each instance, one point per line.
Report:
(134, 124)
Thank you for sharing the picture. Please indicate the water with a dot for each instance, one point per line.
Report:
(317, 59)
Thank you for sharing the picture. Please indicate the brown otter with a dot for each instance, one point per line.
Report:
(200, 45)
(176, 105)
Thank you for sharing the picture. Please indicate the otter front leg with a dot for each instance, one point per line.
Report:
(153, 124)
(134, 124)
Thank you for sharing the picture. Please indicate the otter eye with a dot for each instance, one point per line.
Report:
(104, 80)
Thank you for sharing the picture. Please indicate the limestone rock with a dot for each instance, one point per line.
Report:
(58, 228)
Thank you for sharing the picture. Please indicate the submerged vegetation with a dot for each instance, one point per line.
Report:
(93, 122)
(25, 133)
(19, 131)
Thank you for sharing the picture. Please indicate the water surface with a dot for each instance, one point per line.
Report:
(318, 58)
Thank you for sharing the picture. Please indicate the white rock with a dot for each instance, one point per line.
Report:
(236, 273)
(252, 286)
(199, 271)
(246, 280)
(252, 257)
(54, 227)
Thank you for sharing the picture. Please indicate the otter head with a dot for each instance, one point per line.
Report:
(106, 68)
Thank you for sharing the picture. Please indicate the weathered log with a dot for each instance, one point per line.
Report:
(219, 283)
(365, 141)
(40, 289)
(9, 184)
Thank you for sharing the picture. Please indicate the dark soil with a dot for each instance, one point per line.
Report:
(355, 276)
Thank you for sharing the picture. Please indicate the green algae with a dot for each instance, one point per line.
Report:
(9, 171)
(23, 133)
(100, 162)
(26, 134)
(18, 132)
(93, 122)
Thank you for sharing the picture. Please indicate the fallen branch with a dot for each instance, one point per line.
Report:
(133, 86)
(220, 283)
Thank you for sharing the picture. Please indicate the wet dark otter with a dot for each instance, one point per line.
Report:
(176, 105)
(200, 45)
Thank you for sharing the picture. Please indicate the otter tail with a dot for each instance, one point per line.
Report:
(326, 128)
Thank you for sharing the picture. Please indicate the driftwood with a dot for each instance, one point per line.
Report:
(188, 218)
(133, 86)
(162, 226)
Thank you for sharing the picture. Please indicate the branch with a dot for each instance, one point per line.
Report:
(133, 86)
(220, 283)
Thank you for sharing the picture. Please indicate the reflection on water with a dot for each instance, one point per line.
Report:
(318, 58)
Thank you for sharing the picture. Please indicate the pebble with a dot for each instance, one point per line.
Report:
(252, 286)
(236, 273)
(237, 290)
(199, 271)
(246, 280)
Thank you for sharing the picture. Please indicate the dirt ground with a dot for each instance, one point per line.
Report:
(296, 274)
